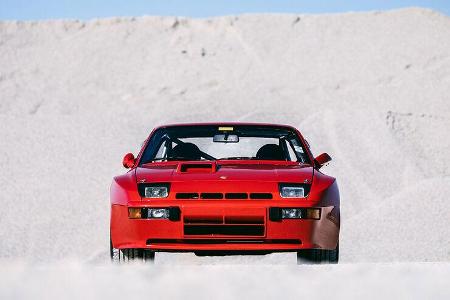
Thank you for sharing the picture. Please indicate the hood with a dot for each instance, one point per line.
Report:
(231, 172)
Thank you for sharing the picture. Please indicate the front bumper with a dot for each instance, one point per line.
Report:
(223, 226)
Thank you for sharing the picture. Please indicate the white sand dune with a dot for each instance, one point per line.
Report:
(372, 89)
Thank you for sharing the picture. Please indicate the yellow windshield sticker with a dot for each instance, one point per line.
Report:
(225, 128)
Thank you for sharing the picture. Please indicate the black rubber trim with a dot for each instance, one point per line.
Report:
(174, 213)
(275, 214)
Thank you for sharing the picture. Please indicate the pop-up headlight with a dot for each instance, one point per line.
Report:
(154, 190)
(293, 190)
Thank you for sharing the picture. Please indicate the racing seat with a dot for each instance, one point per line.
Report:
(185, 151)
(270, 152)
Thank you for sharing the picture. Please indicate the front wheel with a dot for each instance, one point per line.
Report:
(317, 256)
(127, 255)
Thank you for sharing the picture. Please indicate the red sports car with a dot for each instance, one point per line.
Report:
(225, 188)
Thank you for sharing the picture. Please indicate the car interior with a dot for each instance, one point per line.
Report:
(190, 151)
(256, 143)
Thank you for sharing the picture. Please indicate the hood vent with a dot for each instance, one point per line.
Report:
(198, 167)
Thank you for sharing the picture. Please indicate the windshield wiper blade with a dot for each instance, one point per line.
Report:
(237, 158)
(158, 159)
(184, 159)
(210, 158)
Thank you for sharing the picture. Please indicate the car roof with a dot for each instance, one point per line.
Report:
(227, 124)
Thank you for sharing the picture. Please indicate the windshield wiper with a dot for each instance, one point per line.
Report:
(175, 158)
(158, 159)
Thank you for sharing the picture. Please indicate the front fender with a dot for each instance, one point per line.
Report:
(124, 189)
(325, 193)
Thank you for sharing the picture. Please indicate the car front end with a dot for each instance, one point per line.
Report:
(225, 205)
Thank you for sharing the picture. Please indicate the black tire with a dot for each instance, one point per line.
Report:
(127, 255)
(317, 256)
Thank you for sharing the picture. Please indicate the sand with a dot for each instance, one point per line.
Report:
(371, 89)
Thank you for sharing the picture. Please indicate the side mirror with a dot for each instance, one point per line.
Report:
(321, 160)
(128, 160)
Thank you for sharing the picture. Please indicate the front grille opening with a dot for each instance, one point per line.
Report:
(244, 230)
(244, 220)
(260, 196)
(211, 195)
(203, 220)
(186, 196)
(236, 196)
(221, 196)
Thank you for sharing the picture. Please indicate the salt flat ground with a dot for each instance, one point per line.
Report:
(372, 89)
(223, 281)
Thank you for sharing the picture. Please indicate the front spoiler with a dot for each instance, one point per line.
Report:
(165, 235)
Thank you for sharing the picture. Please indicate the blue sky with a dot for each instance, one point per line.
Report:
(87, 9)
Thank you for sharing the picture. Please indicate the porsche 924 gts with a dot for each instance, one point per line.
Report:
(225, 188)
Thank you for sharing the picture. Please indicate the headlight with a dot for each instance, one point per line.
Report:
(158, 213)
(293, 190)
(280, 213)
(172, 213)
(154, 190)
(291, 213)
(300, 213)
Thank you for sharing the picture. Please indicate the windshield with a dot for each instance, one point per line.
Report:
(207, 142)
